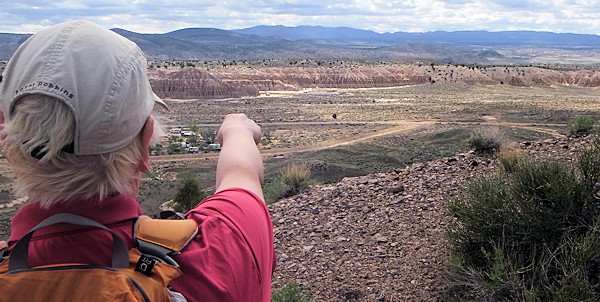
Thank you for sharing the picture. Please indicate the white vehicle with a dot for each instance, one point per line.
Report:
(175, 130)
(193, 149)
(214, 147)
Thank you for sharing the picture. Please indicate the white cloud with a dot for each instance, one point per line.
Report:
(580, 16)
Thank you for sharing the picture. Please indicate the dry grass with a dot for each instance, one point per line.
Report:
(510, 158)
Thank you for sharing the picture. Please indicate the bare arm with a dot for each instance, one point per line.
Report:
(240, 164)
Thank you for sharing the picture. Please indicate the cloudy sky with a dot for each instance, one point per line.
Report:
(160, 16)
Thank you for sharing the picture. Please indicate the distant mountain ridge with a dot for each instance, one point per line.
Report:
(281, 42)
(305, 32)
(479, 38)
(9, 44)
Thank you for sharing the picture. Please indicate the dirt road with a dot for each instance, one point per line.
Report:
(399, 127)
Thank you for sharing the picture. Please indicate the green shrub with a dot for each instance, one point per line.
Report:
(209, 135)
(296, 177)
(487, 140)
(531, 235)
(589, 165)
(188, 194)
(155, 148)
(581, 125)
(175, 148)
(291, 181)
(292, 293)
(272, 190)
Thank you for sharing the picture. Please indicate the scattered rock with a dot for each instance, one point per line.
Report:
(397, 242)
(396, 189)
(308, 248)
(379, 238)
(342, 239)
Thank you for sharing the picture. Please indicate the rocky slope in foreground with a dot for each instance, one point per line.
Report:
(380, 237)
(239, 81)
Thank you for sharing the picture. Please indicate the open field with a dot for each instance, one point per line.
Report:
(374, 129)
(409, 103)
(377, 129)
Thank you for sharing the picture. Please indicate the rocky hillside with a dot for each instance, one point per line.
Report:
(238, 81)
(380, 237)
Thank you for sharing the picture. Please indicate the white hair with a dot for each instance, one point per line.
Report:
(58, 176)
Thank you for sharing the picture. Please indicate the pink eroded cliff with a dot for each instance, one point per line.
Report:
(239, 81)
(192, 83)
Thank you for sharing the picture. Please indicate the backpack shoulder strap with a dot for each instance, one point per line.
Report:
(3, 257)
(3, 250)
(19, 254)
(4, 266)
(163, 238)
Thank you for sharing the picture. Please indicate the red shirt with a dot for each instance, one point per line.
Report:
(231, 259)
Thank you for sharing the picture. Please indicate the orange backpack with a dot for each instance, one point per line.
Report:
(141, 274)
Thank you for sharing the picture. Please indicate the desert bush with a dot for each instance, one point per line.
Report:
(272, 190)
(296, 176)
(487, 140)
(209, 135)
(292, 293)
(155, 148)
(194, 128)
(589, 165)
(174, 148)
(531, 235)
(291, 181)
(581, 125)
(509, 159)
(188, 194)
(266, 138)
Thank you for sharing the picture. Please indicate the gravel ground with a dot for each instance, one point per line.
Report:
(381, 237)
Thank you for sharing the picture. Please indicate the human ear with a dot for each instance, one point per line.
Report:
(145, 136)
(3, 136)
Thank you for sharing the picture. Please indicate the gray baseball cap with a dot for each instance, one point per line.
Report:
(97, 73)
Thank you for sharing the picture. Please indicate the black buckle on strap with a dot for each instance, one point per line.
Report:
(145, 265)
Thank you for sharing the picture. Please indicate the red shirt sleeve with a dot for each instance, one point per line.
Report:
(232, 258)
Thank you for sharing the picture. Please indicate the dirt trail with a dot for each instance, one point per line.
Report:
(400, 126)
